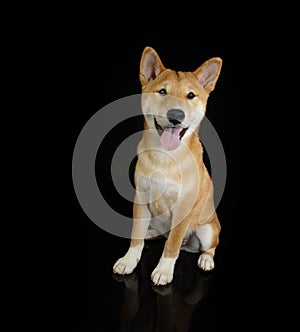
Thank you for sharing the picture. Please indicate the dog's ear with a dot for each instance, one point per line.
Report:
(150, 65)
(208, 73)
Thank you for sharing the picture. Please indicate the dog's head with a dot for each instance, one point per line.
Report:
(174, 102)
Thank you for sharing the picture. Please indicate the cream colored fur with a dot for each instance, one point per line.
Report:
(174, 191)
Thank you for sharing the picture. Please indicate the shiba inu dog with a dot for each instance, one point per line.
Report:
(174, 191)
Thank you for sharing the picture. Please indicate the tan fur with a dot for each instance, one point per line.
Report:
(174, 190)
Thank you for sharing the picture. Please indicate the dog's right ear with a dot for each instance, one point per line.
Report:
(150, 65)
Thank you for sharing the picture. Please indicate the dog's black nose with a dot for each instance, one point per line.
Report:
(175, 116)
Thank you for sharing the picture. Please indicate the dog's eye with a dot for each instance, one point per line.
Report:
(162, 91)
(191, 95)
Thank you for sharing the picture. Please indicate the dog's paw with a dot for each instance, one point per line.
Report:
(163, 273)
(125, 265)
(161, 277)
(206, 262)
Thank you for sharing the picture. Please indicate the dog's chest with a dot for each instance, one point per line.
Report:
(159, 190)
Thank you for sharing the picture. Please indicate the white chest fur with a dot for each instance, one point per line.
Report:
(157, 186)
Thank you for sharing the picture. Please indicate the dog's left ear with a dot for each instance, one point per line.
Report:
(208, 73)
(150, 65)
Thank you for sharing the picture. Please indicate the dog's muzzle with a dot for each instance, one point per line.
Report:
(175, 116)
(171, 134)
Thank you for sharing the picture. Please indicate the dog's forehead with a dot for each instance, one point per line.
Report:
(179, 78)
(177, 83)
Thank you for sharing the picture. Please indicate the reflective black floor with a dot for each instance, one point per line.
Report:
(194, 301)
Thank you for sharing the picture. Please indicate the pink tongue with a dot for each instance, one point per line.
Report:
(170, 139)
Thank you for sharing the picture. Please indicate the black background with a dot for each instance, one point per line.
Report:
(63, 64)
(99, 69)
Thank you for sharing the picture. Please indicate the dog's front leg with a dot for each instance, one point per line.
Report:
(141, 221)
(163, 273)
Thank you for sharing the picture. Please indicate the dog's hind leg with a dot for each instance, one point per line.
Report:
(208, 235)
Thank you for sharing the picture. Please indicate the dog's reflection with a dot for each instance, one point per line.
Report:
(167, 308)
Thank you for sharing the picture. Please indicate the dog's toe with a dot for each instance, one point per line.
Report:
(161, 278)
(163, 273)
(121, 267)
(206, 262)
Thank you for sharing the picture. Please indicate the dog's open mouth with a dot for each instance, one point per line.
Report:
(170, 136)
